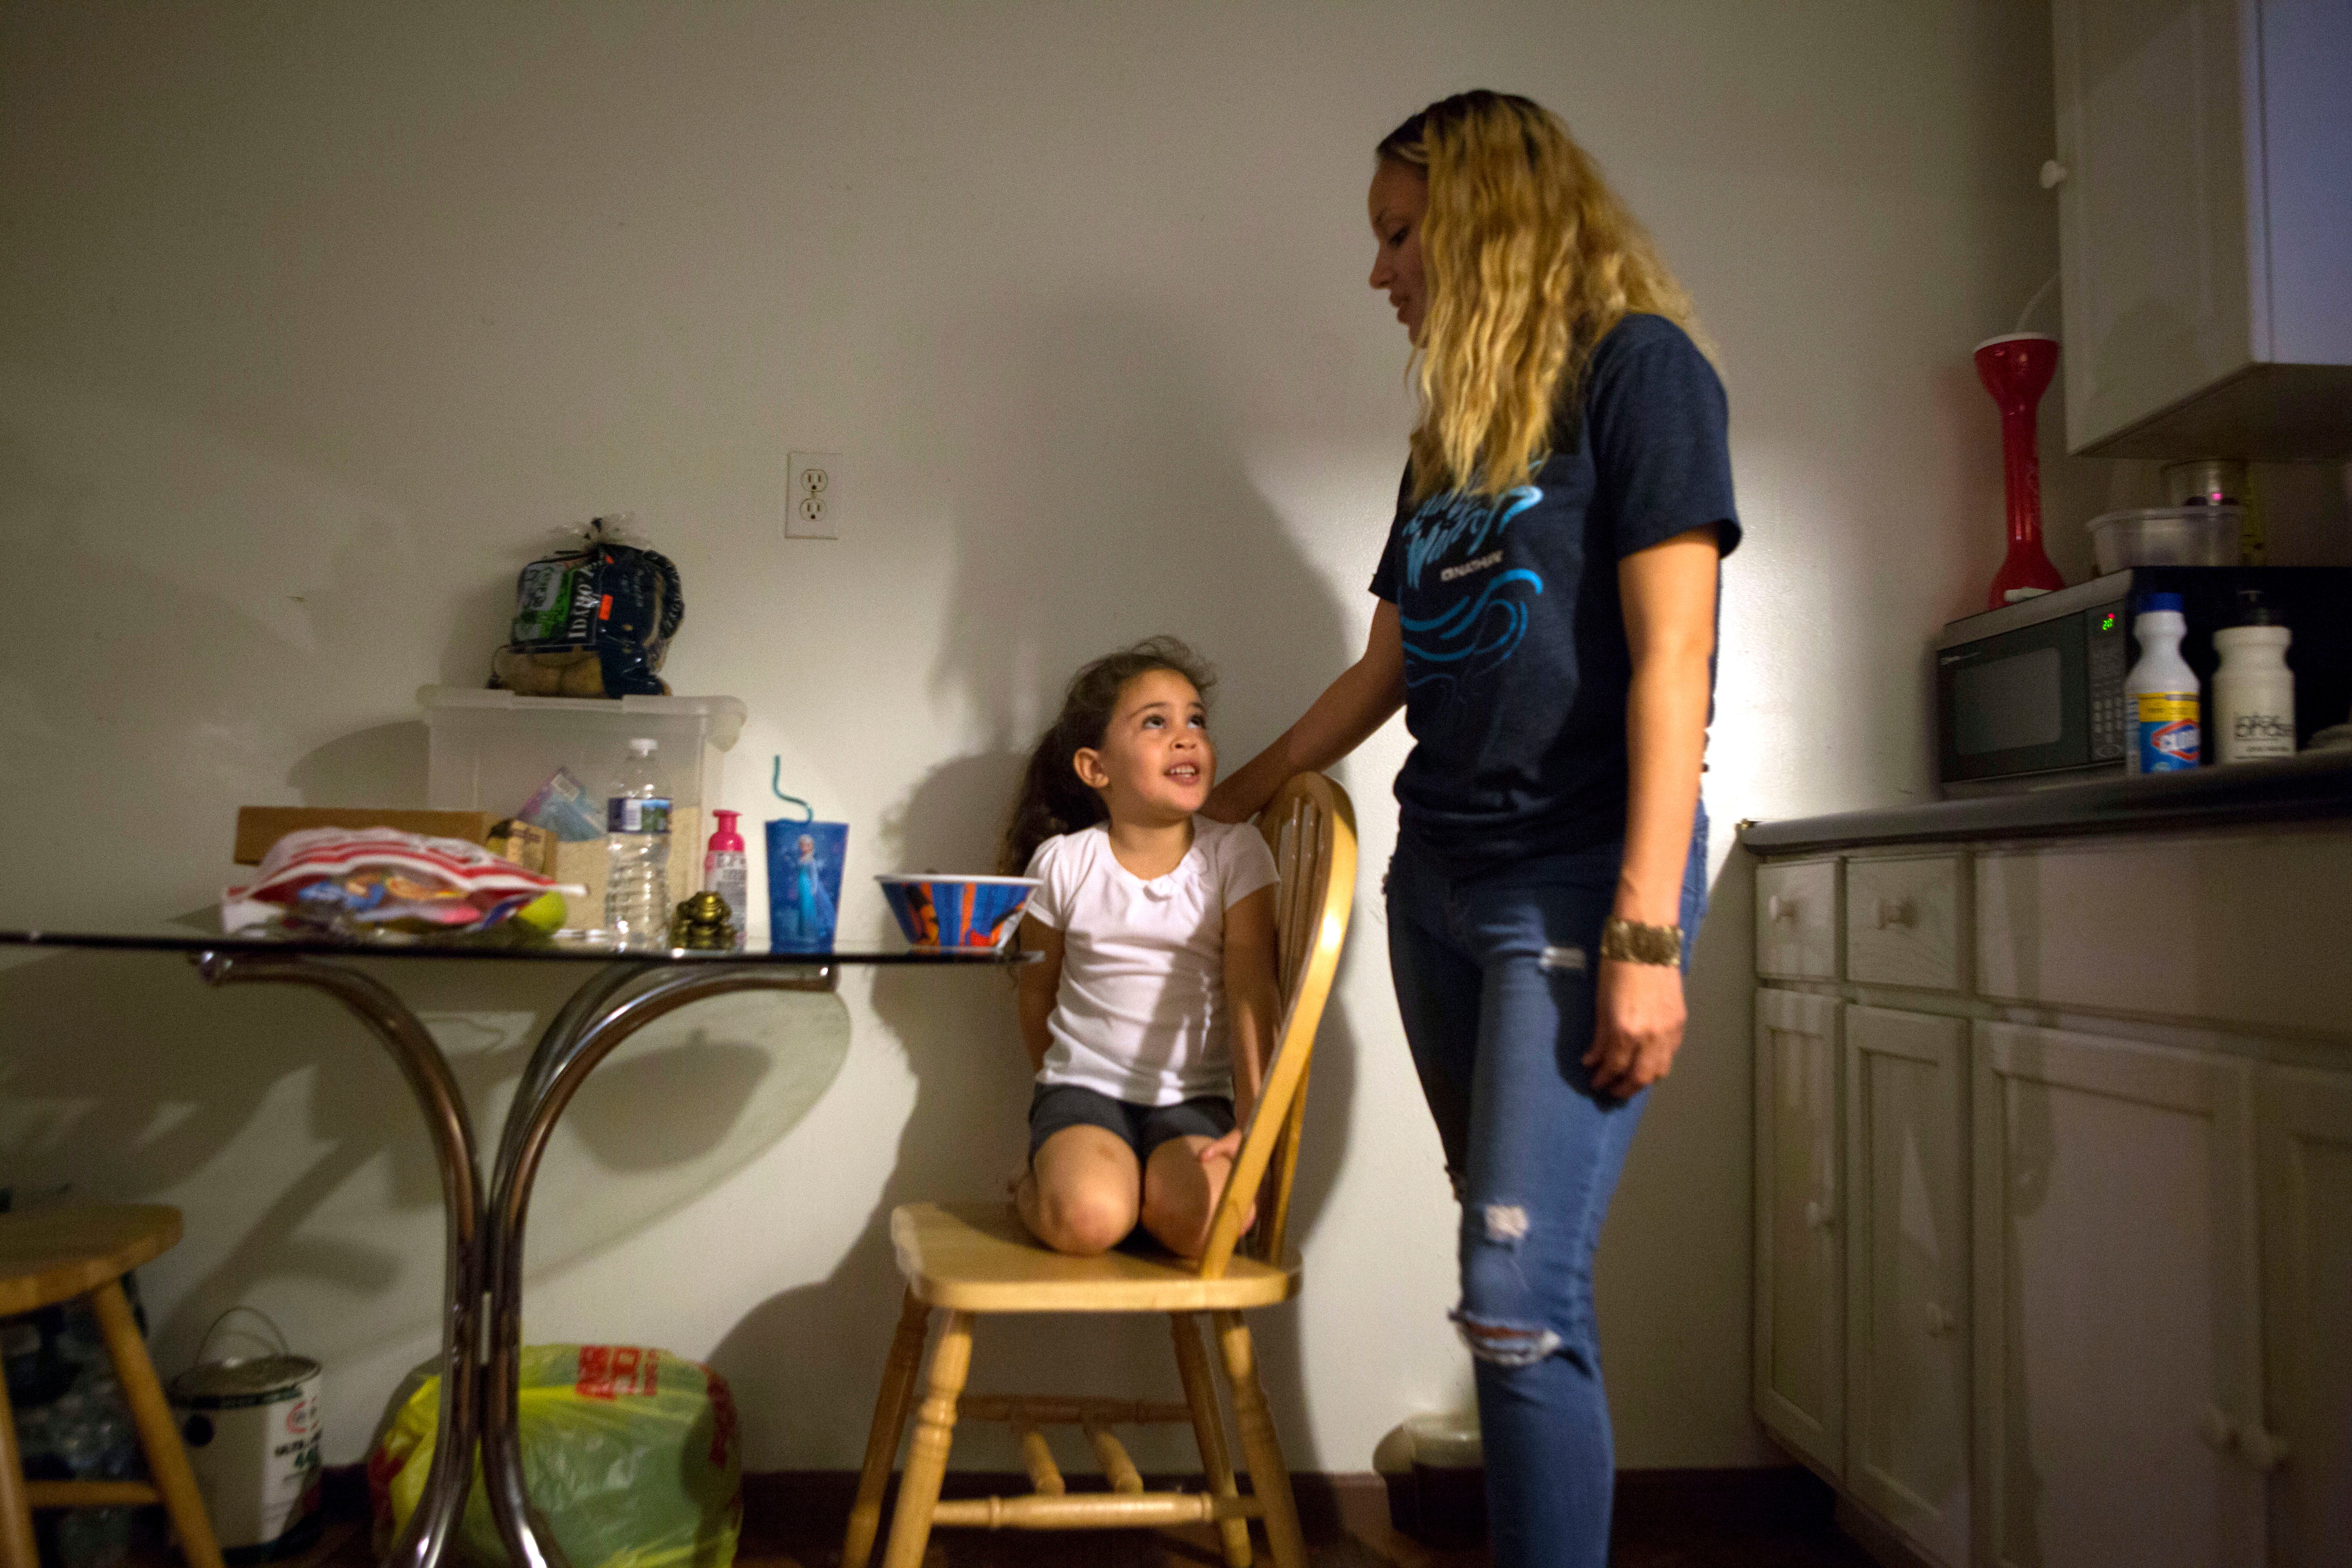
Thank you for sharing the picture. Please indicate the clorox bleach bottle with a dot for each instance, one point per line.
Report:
(2161, 692)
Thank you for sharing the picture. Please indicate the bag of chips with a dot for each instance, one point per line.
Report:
(594, 621)
(356, 881)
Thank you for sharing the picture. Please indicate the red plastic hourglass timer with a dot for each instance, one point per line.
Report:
(2016, 368)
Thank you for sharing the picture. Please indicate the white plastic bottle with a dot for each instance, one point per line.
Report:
(2160, 693)
(727, 871)
(2254, 690)
(637, 853)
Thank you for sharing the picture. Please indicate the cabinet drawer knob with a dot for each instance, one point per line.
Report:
(2220, 1433)
(1893, 912)
(1939, 1321)
(2264, 1450)
(2053, 174)
(1776, 908)
(1818, 1216)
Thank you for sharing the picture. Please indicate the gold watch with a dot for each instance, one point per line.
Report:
(1631, 942)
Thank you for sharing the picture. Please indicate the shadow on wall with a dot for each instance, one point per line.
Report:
(287, 1135)
(1136, 520)
(273, 1119)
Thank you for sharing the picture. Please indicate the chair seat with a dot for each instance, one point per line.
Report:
(980, 1257)
(54, 1255)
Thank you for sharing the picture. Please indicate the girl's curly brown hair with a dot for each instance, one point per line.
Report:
(1053, 799)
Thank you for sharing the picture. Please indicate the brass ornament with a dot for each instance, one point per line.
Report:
(701, 925)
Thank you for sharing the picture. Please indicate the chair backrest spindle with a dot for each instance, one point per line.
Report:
(1311, 828)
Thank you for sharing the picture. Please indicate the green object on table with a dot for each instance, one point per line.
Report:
(629, 1452)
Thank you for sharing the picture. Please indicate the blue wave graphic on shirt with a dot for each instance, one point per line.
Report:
(1475, 636)
(1445, 521)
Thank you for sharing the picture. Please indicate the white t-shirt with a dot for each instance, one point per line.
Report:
(1141, 1015)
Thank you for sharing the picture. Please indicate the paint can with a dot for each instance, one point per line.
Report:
(1435, 1466)
(251, 1428)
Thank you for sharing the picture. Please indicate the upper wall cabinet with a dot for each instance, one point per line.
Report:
(2203, 161)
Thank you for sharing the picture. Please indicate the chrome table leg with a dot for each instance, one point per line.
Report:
(621, 1000)
(420, 1060)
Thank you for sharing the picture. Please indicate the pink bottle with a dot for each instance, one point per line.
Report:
(2016, 368)
(726, 871)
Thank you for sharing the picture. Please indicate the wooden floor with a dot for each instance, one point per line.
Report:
(1665, 1520)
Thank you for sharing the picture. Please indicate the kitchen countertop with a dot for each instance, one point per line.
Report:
(2314, 784)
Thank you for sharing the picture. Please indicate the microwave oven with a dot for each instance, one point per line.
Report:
(2032, 694)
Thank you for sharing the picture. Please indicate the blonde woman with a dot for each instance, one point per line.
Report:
(1547, 621)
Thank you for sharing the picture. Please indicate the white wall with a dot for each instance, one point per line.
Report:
(314, 320)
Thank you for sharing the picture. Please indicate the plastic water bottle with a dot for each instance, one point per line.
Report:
(2161, 692)
(727, 871)
(637, 853)
(2253, 692)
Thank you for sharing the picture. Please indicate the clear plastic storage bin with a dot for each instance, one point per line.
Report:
(490, 750)
(2166, 536)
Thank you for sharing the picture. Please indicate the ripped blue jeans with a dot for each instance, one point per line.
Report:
(1494, 977)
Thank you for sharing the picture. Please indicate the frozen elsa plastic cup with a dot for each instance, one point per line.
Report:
(804, 884)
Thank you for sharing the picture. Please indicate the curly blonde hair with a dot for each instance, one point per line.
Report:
(1530, 259)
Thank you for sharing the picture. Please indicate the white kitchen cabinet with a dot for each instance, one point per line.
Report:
(1800, 1365)
(2117, 1341)
(2242, 929)
(2305, 1119)
(1797, 926)
(1903, 921)
(1907, 1274)
(2203, 153)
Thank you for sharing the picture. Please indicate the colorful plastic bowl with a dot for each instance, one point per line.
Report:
(937, 911)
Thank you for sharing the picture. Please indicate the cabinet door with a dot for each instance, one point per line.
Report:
(1907, 1274)
(2306, 1155)
(2117, 1357)
(2152, 215)
(1799, 1275)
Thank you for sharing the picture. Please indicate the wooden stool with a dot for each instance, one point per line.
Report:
(55, 1255)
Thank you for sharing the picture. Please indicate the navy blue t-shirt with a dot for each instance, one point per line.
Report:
(1515, 655)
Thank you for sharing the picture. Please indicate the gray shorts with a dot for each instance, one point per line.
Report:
(1144, 1127)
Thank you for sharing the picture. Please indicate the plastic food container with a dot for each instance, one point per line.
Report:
(487, 751)
(2166, 536)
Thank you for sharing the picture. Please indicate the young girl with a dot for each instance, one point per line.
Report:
(1151, 1015)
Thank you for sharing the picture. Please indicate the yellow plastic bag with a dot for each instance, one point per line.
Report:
(629, 1452)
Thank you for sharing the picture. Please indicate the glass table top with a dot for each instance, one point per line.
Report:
(558, 949)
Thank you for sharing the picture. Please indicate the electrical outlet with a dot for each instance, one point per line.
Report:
(812, 502)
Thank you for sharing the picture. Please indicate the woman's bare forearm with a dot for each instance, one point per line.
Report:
(1364, 697)
(1669, 592)
(1666, 736)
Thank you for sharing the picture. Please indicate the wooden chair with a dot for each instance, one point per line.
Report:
(56, 1255)
(968, 1259)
